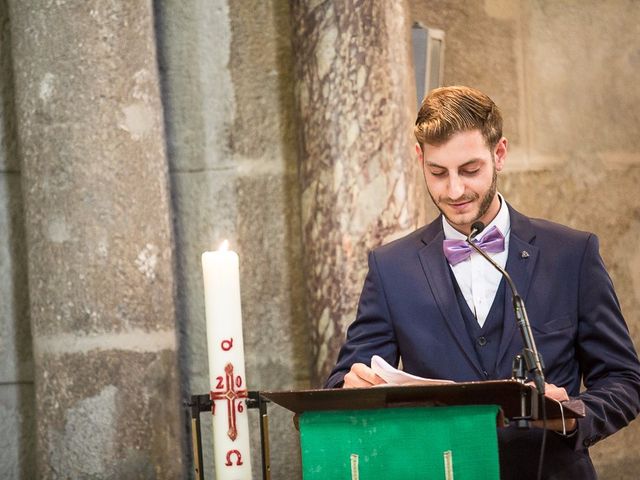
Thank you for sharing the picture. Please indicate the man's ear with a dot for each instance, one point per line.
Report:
(500, 153)
(419, 155)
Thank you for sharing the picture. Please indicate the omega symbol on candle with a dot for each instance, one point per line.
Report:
(229, 393)
(229, 463)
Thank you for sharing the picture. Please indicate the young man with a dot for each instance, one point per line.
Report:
(448, 314)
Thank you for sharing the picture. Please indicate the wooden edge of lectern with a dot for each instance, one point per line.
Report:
(509, 395)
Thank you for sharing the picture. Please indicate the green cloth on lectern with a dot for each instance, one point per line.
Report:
(400, 443)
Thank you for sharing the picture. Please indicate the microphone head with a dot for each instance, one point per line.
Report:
(479, 226)
(476, 228)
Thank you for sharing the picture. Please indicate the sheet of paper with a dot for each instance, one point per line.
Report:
(393, 376)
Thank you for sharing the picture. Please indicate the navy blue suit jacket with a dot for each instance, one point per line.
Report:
(408, 308)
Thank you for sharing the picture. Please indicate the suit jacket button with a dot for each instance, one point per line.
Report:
(482, 341)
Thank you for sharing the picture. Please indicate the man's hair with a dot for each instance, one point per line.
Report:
(449, 110)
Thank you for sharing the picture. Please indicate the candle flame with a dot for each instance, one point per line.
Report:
(224, 246)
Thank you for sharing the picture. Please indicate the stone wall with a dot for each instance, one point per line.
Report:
(564, 75)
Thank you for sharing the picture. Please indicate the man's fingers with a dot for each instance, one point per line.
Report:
(361, 376)
(554, 392)
(557, 393)
(351, 380)
(367, 374)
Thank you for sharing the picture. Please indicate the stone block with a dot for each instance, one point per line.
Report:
(17, 431)
(261, 65)
(199, 98)
(581, 63)
(15, 332)
(94, 168)
(108, 418)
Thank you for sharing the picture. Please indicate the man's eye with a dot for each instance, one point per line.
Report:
(471, 172)
(438, 173)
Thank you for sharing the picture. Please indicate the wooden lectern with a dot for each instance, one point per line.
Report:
(405, 432)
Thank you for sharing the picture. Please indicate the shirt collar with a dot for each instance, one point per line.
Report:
(502, 221)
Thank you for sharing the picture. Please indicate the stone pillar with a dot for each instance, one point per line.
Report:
(356, 106)
(228, 97)
(193, 55)
(99, 239)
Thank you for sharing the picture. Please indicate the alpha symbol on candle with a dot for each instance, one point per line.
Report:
(231, 395)
(227, 345)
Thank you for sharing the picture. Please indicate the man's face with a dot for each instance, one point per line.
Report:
(461, 178)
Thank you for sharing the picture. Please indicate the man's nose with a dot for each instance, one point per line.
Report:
(456, 187)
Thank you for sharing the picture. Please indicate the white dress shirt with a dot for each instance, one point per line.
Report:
(477, 279)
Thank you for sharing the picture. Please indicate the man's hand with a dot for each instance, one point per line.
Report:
(559, 394)
(361, 376)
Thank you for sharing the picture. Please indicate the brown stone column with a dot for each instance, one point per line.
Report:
(356, 106)
(99, 239)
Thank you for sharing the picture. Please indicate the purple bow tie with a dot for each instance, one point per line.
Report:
(458, 250)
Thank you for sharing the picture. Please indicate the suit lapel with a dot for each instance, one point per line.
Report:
(438, 276)
(520, 266)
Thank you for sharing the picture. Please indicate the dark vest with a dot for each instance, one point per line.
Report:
(486, 340)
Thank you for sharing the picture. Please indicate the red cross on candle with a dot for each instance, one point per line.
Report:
(230, 394)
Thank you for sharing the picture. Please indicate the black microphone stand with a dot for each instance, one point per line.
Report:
(530, 353)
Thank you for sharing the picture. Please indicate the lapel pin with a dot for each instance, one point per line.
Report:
(524, 254)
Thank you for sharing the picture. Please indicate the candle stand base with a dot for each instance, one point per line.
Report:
(203, 403)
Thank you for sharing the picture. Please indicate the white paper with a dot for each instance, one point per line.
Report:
(393, 376)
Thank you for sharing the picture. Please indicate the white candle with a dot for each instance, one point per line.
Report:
(226, 364)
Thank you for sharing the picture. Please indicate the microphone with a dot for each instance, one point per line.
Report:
(530, 353)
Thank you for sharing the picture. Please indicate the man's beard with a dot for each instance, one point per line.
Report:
(484, 204)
